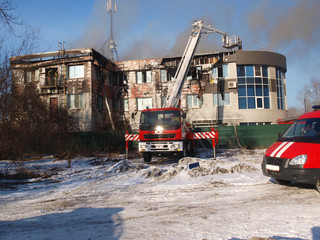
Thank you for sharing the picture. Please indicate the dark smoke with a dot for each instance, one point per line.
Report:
(283, 27)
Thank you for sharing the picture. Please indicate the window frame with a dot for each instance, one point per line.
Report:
(28, 76)
(164, 75)
(76, 71)
(222, 103)
(195, 102)
(144, 76)
(254, 87)
(280, 76)
(72, 101)
(144, 102)
(126, 105)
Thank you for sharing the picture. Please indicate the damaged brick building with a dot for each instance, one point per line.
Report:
(79, 80)
(229, 88)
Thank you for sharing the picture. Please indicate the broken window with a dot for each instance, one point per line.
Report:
(100, 102)
(144, 77)
(143, 103)
(221, 71)
(193, 101)
(118, 78)
(51, 76)
(120, 105)
(114, 79)
(75, 100)
(76, 71)
(99, 73)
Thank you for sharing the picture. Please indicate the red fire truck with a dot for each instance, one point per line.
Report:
(296, 154)
(164, 131)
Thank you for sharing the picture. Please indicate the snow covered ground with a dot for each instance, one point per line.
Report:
(105, 197)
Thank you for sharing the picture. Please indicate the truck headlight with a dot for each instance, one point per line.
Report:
(298, 160)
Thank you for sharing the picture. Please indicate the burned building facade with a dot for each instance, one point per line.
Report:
(81, 80)
(229, 88)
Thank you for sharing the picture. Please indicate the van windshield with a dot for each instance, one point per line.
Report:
(303, 130)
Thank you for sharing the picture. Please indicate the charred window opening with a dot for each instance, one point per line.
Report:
(52, 76)
(220, 71)
(118, 78)
(120, 105)
(100, 102)
(100, 75)
(167, 74)
(195, 73)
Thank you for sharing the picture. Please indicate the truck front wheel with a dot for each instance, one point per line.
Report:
(184, 153)
(147, 157)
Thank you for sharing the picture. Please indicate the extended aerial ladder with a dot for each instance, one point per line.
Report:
(174, 94)
(164, 131)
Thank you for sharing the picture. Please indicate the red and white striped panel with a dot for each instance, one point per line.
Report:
(132, 137)
(204, 135)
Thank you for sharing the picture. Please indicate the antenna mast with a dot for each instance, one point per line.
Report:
(111, 44)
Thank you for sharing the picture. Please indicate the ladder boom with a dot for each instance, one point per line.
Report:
(173, 97)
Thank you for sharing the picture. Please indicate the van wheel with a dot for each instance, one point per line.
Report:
(317, 184)
(147, 157)
(282, 182)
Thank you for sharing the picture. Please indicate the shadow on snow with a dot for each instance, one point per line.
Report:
(82, 223)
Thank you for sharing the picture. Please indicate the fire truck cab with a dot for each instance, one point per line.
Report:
(296, 154)
(164, 132)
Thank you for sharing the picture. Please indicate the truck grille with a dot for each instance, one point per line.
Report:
(281, 162)
(275, 161)
(159, 136)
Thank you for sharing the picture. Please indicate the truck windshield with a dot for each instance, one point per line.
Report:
(303, 130)
(169, 120)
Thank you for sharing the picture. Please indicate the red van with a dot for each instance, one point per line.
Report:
(296, 154)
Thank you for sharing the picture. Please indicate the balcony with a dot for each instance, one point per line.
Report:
(53, 84)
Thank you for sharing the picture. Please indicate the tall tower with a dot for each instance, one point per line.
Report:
(111, 44)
